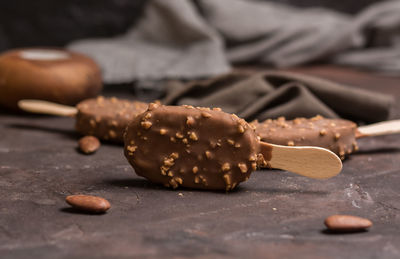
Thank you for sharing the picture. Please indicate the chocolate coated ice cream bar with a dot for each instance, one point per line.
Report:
(206, 148)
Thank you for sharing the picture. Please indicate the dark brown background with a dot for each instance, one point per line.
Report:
(273, 215)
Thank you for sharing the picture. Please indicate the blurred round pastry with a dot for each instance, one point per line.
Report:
(49, 74)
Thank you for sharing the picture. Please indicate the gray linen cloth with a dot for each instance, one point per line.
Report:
(193, 39)
(271, 94)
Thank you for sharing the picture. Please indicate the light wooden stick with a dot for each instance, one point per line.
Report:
(380, 128)
(312, 162)
(45, 107)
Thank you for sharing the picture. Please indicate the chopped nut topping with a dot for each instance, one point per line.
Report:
(208, 154)
(355, 146)
(172, 139)
(193, 136)
(254, 166)
(114, 123)
(322, 132)
(337, 136)
(179, 135)
(190, 121)
(195, 169)
(170, 174)
(226, 167)
(290, 143)
(178, 180)
(213, 144)
(296, 121)
(112, 134)
(227, 179)
(173, 183)
(318, 117)
(153, 106)
(169, 162)
(217, 109)
(92, 123)
(252, 158)
(100, 99)
(237, 145)
(174, 155)
(185, 141)
(234, 116)
(230, 141)
(147, 116)
(164, 170)
(206, 114)
(163, 131)
(146, 124)
(242, 167)
(197, 179)
(131, 148)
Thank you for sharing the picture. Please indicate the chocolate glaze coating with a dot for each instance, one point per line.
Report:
(192, 147)
(336, 135)
(107, 118)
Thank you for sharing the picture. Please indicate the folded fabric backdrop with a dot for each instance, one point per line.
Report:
(192, 39)
(272, 94)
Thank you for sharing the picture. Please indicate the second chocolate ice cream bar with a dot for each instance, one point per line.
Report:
(107, 118)
(337, 135)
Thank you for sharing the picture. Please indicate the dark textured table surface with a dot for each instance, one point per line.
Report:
(273, 215)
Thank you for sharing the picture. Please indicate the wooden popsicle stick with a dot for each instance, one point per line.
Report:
(380, 128)
(312, 162)
(45, 107)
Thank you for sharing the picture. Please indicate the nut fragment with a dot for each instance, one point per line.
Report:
(205, 114)
(146, 124)
(226, 167)
(193, 136)
(347, 223)
(112, 134)
(242, 167)
(163, 131)
(131, 148)
(190, 121)
(88, 203)
(89, 144)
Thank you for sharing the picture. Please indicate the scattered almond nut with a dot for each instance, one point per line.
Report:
(347, 223)
(89, 144)
(88, 203)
